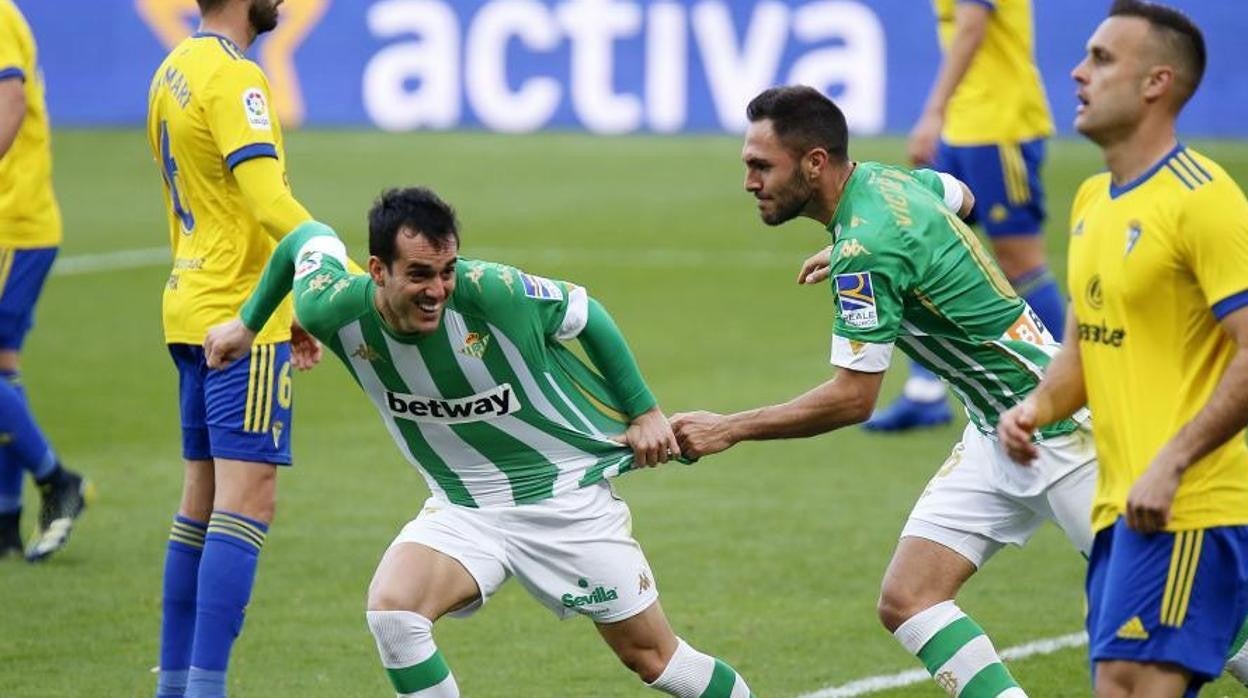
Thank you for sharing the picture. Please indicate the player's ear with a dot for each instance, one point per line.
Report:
(1158, 82)
(377, 270)
(814, 162)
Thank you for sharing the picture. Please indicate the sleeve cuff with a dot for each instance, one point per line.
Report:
(12, 72)
(954, 195)
(1230, 304)
(861, 356)
(250, 152)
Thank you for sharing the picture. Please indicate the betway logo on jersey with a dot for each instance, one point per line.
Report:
(491, 404)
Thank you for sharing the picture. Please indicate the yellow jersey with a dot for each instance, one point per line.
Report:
(208, 112)
(1153, 266)
(29, 216)
(1001, 98)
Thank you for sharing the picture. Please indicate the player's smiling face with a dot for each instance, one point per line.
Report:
(263, 15)
(412, 292)
(1111, 79)
(773, 175)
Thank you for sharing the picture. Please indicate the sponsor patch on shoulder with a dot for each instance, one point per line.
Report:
(540, 288)
(256, 108)
(309, 263)
(856, 298)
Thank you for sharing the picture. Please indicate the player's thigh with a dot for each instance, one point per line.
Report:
(1170, 597)
(1138, 680)
(22, 276)
(245, 487)
(449, 559)
(576, 555)
(963, 510)
(1068, 502)
(1005, 179)
(248, 406)
(921, 573)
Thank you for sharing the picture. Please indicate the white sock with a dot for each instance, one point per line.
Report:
(957, 653)
(412, 661)
(923, 389)
(1237, 665)
(691, 674)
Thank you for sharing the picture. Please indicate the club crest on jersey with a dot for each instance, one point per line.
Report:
(856, 297)
(475, 345)
(1134, 232)
(256, 109)
(366, 353)
(490, 404)
(278, 428)
(540, 288)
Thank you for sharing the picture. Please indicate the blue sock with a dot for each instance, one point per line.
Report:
(177, 623)
(11, 479)
(25, 440)
(1040, 290)
(226, 575)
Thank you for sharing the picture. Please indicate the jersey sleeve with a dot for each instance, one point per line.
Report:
(1214, 229)
(237, 110)
(945, 186)
(559, 308)
(311, 262)
(12, 60)
(869, 283)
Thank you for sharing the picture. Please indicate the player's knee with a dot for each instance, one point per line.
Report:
(897, 605)
(647, 662)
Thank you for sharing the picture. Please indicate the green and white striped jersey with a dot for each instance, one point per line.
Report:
(492, 408)
(907, 271)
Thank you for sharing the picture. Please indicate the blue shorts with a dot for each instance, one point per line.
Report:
(22, 273)
(1005, 179)
(1167, 597)
(241, 412)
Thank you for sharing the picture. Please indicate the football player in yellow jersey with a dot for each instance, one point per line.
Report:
(1157, 346)
(985, 122)
(30, 233)
(219, 150)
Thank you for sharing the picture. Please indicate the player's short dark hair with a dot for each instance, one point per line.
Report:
(207, 6)
(1179, 37)
(415, 208)
(803, 119)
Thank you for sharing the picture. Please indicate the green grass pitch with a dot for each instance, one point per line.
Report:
(768, 556)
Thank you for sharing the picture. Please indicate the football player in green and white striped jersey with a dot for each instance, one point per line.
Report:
(517, 437)
(906, 272)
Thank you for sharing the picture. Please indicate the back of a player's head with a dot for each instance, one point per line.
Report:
(802, 118)
(413, 208)
(1179, 41)
(209, 6)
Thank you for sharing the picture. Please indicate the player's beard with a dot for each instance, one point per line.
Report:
(790, 200)
(263, 16)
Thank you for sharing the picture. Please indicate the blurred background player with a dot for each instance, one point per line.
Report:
(219, 149)
(985, 122)
(30, 234)
(1157, 346)
(465, 361)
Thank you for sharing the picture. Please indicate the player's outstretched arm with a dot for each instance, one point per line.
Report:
(847, 399)
(1060, 394)
(12, 111)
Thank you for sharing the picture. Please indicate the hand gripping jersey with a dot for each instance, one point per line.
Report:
(907, 271)
(491, 408)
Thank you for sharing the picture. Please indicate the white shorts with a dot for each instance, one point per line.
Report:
(573, 553)
(965, 507)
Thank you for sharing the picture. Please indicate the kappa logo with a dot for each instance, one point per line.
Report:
(1134, 232)
(474, 275)
(256, 109)
(856, 297)
(643, 582)
(490, 404)
(853, 248)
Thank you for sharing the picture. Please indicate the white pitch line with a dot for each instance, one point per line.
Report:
(120, 260)
(874, 684)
